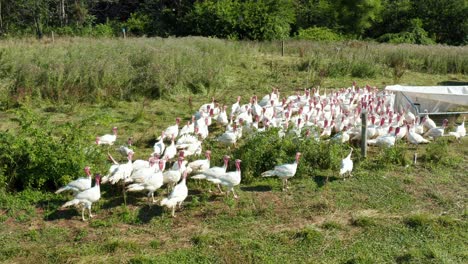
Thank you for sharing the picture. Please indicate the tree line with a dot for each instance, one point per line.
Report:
(394, 21)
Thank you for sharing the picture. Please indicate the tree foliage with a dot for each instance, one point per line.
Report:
(445, 21)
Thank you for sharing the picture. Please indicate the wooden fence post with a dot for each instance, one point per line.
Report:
(364, 133)
(282, 48)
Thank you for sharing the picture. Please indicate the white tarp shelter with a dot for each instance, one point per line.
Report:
(433, 98)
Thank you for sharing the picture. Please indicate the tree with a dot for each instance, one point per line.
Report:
(355, 16)
(446, 20)
(315, 13)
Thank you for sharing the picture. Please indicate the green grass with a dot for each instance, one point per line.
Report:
(387, 212)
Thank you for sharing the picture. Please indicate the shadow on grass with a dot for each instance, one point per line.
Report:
(321, 180)
(148, 212)
(113, 202)
(65, 213)
(453, 83)
(257, 188)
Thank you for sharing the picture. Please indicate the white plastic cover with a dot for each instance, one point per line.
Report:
(433, 98)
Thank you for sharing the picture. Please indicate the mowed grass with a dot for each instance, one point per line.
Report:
(385, 213)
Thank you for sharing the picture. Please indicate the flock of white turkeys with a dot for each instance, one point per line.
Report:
(311, 115)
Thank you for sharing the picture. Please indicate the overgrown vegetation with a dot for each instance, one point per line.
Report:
(40, 155)
(162, 68)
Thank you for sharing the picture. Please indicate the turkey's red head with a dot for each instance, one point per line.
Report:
(298, 156)
(238, 161)
(208, 154)
(87, 170)
(97, 176)
(226, 160)
(162, 162)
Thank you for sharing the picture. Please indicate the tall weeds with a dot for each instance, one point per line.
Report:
(366, 59)
(95, 70)
(82, 69)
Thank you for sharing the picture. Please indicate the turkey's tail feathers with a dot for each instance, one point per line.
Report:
(214, 180)
(135, 188)
(105, 179)
(455, 134)
(199, 177)
(64, 188)
(269, 173)
(70, 203)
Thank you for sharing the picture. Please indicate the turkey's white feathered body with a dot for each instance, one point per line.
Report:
(86, 198)
(177, 196)
(79, 184)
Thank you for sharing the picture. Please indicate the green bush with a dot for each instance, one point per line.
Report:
(363, 70)
(263, 151)
(395, 155)
(415, 35)
(319, 34)
(437, 153)
(42, 156)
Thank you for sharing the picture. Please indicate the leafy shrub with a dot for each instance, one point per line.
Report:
(414, 35)
(103, 30)
(363, 70)
(319, 34)
(438, 153)
(263, 151)
(42, 156)
(138, 23)
(395, 155)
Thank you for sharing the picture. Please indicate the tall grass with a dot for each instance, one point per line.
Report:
(85, 69)
(343, 58)
(81, 69)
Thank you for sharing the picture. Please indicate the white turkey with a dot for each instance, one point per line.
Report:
(152, 182)
(107, 139)
(177, 196)
(387, 140)
(124, 150)
(437, 131)
(159, 146)
(138, 175)
(222, 117)
(213, 172)
(172, 131)
(236, 107)
(198, 166)
(86, 198)
(172, 176)
(79, 184)
(229, 179)
(284, 171)
(415, 138)
(171, 150)
(118, 171)
(428, 122)
(347, 165)
(460, 131)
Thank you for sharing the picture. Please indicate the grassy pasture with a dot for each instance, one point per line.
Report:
(386, 213)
